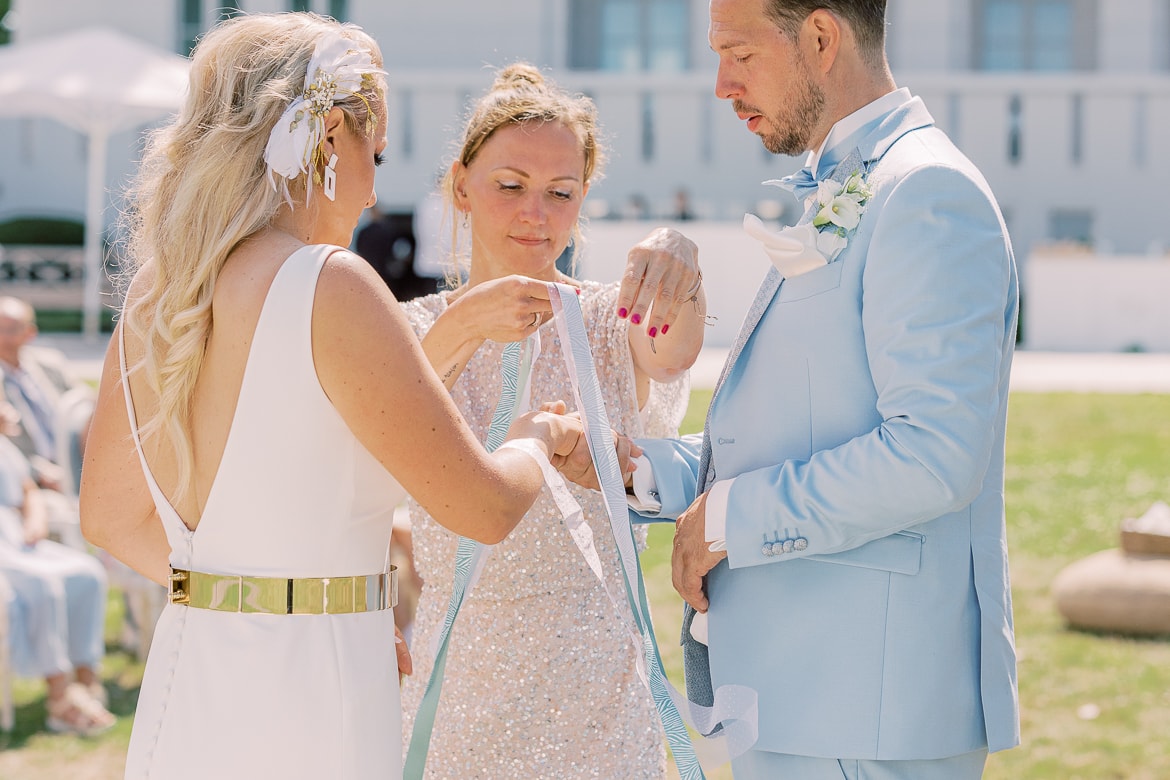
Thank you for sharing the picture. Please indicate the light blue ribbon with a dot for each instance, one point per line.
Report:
(735, 706)
(599, 436)
(469, 558)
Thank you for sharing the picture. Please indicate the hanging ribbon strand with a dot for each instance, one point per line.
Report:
(732, 721)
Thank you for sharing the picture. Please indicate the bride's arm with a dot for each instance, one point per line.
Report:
(117, 510)
(376, 374)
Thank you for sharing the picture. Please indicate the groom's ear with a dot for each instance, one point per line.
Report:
(822, 34)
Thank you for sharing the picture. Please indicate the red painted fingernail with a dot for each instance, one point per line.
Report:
(652, 332)
(622, 312)
(665, 328)
(636, 318)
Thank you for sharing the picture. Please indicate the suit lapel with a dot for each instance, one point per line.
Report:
(870, 143)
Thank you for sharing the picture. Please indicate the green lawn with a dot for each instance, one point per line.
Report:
(1077, 465)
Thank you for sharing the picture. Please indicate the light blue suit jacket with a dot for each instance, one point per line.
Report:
(866, 414)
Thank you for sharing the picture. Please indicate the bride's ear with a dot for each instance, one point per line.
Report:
(334, 127)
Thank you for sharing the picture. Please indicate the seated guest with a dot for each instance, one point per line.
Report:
(58, 601)
(33, 381)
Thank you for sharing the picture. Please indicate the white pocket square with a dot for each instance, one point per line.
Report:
(793, 250)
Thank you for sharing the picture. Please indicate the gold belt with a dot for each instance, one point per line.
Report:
(281, 596)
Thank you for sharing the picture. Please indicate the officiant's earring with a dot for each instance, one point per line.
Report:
(331, 178)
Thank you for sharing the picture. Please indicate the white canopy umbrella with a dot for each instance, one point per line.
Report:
(100, 82)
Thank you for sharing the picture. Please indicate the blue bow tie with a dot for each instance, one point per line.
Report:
(801, 184)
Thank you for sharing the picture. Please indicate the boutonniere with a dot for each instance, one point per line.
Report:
(838, 207)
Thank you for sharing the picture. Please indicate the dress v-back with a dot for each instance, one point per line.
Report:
(236, 695)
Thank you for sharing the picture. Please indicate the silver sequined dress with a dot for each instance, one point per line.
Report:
(540, 679)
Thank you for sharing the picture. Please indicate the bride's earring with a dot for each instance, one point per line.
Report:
(331, 178)
(465, 220)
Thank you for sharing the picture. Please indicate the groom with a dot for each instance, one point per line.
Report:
(841, 521)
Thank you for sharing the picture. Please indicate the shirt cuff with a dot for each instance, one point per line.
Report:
(644, 499)
(715, 526)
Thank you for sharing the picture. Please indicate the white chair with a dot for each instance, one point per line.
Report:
(74, 410)
(7, 707)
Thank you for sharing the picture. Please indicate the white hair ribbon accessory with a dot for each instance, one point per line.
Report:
(339, 67)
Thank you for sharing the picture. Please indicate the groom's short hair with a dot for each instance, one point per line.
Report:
(867, 19)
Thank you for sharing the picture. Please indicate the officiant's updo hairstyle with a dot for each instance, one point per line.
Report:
(521, 95)
(867, 19)
(203, 187)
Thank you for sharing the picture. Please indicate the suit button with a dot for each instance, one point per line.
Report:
(800, 544)
(710, 474)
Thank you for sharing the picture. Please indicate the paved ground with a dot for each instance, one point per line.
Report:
(1039, 372)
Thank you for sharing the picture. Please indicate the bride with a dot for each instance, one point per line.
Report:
(263, 407)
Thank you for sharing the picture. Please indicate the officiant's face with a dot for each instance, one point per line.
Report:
(766, 76)
(523, 192)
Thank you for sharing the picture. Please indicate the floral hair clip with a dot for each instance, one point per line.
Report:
(339, 67)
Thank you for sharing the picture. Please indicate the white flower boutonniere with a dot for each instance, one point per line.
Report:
(841, 207)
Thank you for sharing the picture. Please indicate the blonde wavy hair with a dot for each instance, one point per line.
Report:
(202, 188)
(521, 95)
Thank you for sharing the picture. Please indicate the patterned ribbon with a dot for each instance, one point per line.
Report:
(735, 707)
(471, 556)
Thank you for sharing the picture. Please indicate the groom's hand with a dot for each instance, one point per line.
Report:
(692, 558)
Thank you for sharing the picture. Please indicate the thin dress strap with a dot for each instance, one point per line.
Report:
(171, 520)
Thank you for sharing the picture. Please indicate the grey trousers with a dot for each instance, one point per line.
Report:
(764, 765)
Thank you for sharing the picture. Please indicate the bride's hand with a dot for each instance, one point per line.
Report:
(502, 310)
(405, 664)
(561, 433)
(577, 465)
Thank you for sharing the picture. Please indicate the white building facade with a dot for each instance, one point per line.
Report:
(1064, 104)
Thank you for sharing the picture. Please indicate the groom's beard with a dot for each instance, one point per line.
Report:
(791, 133)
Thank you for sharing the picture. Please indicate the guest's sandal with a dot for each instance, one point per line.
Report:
(77, 712)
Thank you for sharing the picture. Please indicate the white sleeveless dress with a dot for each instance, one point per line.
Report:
(228, 695)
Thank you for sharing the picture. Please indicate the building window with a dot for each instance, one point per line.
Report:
(1077, 141)
(1071, 225)
(229, 8)
(647, 127)
(1140, 118)
(300, 5)
(1046, 35)
(190, 25)
(1015, 138)
(629, 35)
(339, 10)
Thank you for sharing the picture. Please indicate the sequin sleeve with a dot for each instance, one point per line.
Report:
(422, 312)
